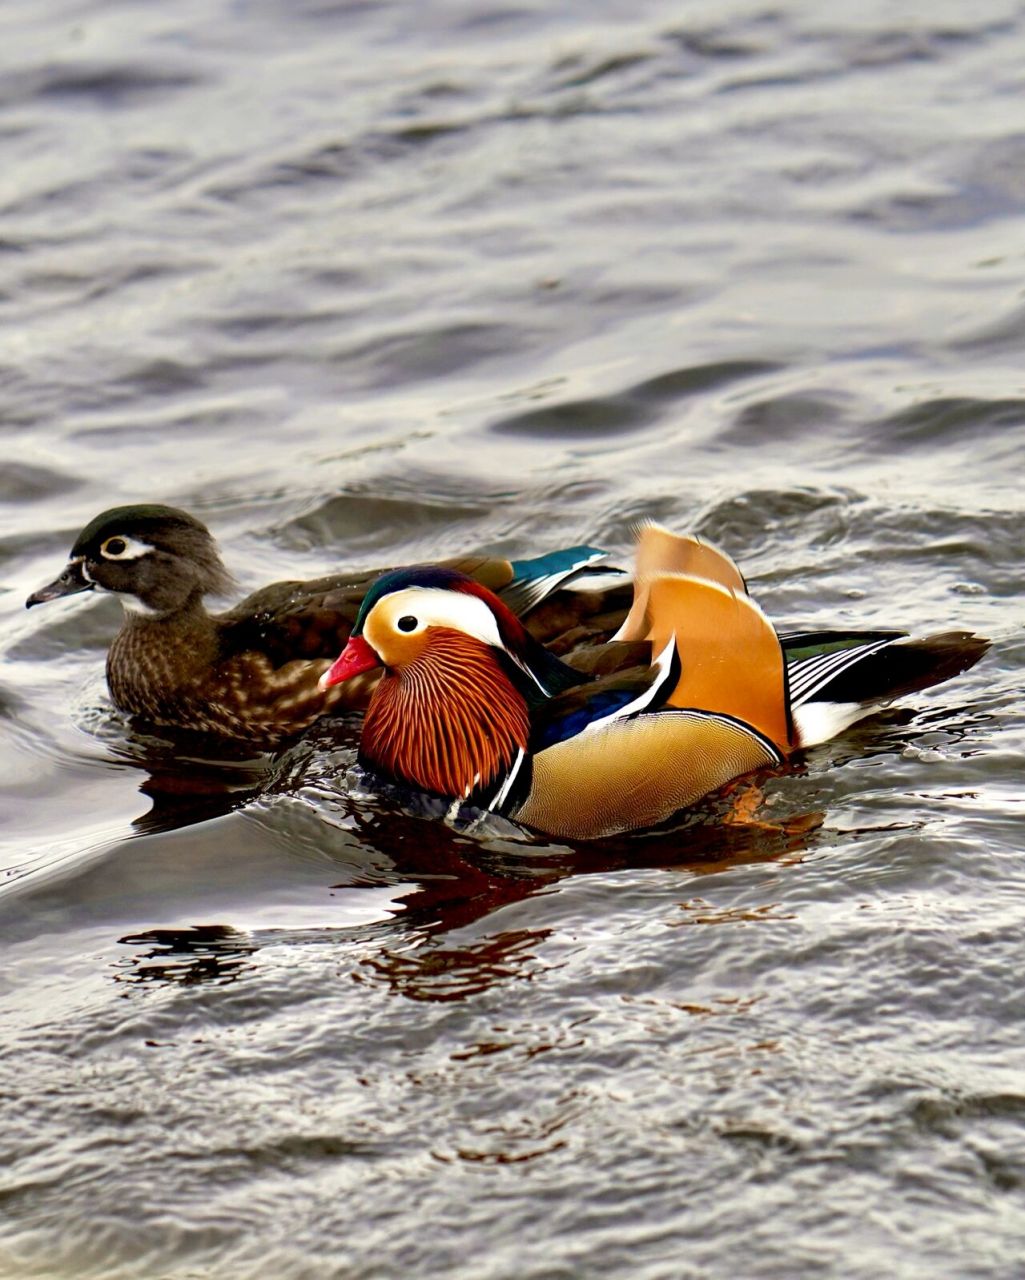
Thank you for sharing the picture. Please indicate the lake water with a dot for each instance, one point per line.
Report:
(371, 283)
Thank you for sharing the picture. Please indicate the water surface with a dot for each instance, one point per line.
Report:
(368, 284)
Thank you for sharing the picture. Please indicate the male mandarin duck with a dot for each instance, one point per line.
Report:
(250, 675)
(473, 710)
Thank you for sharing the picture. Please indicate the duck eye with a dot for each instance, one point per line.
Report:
(407, 623)
(114, 547)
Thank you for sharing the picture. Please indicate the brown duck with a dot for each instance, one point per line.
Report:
(250, 675)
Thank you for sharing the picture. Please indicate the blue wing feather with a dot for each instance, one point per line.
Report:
(576, 720)
(537, 577)
(555, 562)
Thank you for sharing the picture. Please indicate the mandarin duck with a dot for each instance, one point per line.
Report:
(472, 710)
(250, 675)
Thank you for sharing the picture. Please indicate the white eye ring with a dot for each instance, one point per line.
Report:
(124, 548)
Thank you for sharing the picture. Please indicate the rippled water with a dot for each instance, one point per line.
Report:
(371, 283)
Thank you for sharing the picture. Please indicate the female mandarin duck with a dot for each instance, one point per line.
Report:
(472, 709)
(250, 675)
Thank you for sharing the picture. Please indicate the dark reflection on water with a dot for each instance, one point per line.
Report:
(442, 973)
(202, 953)
(460, 881)
(188, 778)
(478, 883)
(180, 802)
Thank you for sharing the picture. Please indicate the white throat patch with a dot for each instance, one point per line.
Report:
(133, 605)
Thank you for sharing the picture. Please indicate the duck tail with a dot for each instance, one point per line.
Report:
(856, 681)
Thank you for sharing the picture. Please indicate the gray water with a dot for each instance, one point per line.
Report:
(364, 284)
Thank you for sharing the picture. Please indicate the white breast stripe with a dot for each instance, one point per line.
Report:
(499, 799)
(664, 664)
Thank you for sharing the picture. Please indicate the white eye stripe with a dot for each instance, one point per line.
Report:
(133, 548)
(434, 607)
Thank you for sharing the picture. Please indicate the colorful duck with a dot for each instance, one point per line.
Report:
(250, 675)
(472, 709)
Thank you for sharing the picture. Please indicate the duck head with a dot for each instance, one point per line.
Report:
(461, 673)
(158, 560)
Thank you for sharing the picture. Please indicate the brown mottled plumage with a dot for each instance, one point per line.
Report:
(249, 675)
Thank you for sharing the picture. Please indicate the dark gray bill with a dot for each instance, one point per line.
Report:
(71, 581)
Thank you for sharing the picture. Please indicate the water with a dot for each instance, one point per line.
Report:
(367, 284)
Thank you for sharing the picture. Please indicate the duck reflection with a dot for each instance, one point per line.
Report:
(181, 799)
(192, 777)
(421, 953)
(434, 944)
(186, 957)
(463, 881)
(441, 974)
